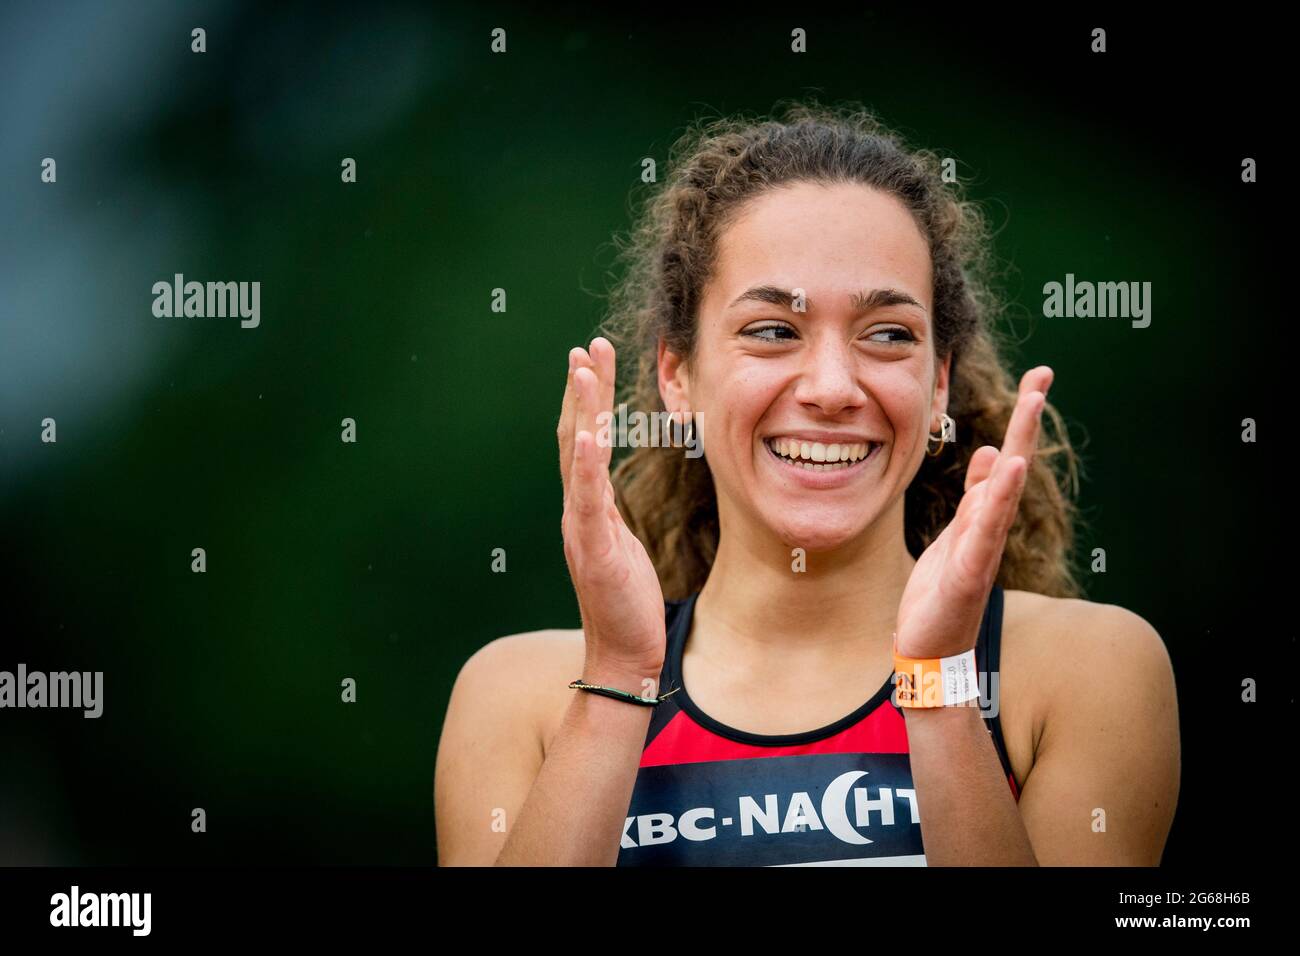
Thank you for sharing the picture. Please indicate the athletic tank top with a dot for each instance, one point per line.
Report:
(709, 795)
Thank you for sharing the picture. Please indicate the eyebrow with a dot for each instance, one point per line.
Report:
(862, 301)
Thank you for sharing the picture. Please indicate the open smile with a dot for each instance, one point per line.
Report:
(818, 456)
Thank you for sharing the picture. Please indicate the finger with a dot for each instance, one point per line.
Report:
(972, 500)
(586, 501)
(1022, 430)
(978, 472)
(602, 354)
(564, 428)
(1021, 438)
(611, 504)
(980, 548)
(586, 386)
(568, 414)
(981, 464)
(1037, 379)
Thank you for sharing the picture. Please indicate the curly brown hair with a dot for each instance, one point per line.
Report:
(715, 167)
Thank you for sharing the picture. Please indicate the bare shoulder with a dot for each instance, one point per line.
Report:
(532, 667)
(1073, 630)
(492, 743)
(529, 649)
(1064, 647)
(1097, 682)
(529, 661)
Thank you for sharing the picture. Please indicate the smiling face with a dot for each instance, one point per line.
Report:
(814, 422)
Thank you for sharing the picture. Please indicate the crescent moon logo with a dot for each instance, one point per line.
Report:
(835, 807)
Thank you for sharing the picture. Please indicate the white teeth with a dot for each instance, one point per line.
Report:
(818, 456)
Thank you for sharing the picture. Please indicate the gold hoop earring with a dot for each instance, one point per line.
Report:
(947, 433)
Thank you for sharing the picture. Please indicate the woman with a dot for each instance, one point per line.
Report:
(808, 293)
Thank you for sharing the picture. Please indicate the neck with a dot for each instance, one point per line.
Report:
(847, 597)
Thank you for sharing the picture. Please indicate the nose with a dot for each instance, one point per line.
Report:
(828, 379)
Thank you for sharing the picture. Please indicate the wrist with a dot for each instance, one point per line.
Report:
(928, 683)
(904, 648)
(641, 678)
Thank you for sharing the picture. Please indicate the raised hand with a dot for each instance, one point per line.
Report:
(618, 590)
(943, 603)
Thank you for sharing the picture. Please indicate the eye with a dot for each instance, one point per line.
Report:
(776, 332)
(893, 334)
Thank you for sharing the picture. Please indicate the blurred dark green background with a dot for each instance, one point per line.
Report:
(329, 560)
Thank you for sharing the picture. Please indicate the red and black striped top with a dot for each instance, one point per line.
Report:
(709, 795)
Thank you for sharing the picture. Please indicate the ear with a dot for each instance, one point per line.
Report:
(940, 403)
(674, 379)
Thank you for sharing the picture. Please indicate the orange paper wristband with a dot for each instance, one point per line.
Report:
(926, 682)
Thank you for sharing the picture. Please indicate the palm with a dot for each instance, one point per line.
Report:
(939, 599)
(613, 561)
(617, 586)
(940, 611)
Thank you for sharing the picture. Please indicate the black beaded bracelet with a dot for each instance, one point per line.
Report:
(617, 694)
